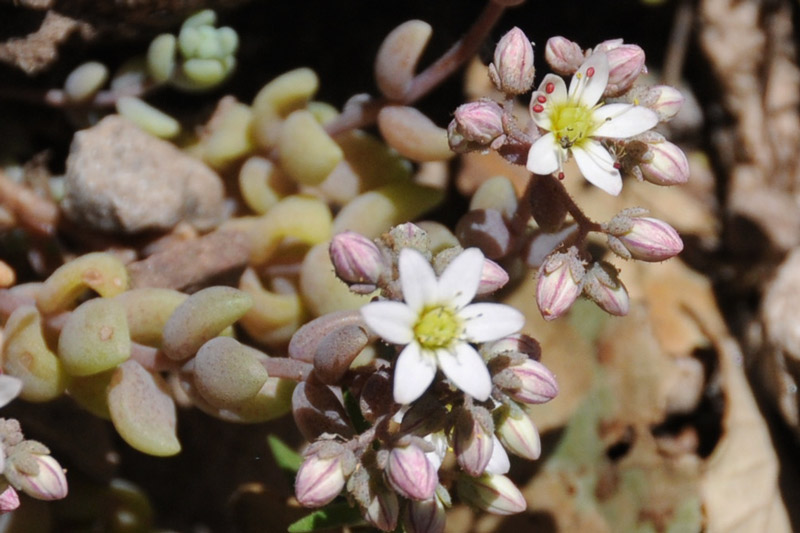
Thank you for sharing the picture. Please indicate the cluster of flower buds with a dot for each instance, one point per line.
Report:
(392, 468)
(604, 120)
(27, 466)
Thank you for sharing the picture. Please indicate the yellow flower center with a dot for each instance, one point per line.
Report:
(572, 123)
(437, 327)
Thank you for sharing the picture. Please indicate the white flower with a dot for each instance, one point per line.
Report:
(574, 122)
(436, 325)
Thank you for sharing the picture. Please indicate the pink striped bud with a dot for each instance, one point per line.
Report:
(668, 166)
(512, 70)
(473, 443)
(480, 122)
(536, 383)
(9, 500)
(650, 239)
(410, 473)
(563, 55)
(665, 100)
(319, 480)
(493, 277)
(519, 435)
(559, 284)
(427, 516)
(356, 259)
(46, 481)
(603, 286)
(625, 63)
(492, 493)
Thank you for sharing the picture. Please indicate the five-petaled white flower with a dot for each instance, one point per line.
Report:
(574, 122)
(436, 325)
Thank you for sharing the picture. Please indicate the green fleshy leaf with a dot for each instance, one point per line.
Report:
(287, 458)
(333, 516)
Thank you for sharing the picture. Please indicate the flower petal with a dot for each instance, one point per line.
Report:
(417, 278)
(414, 371)
(10, 387)
(544, 156)
(498, 462)
(466, 369)
(392, 321)
(459, 281)
(620, 121)
(542, 101)
(590, 81)
(487, 322)
(597, 166)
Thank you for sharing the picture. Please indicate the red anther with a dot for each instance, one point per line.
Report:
(549, 88)
(590, 71)
(538, 108)
(541, 99)
(617, 165)
(561, 175)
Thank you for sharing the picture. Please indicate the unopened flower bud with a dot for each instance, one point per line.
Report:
(519, 435)
(356, 259)
(473, 443)
(536, 383)
(492, 493)
(625, 63)
(493, 277)
(665, 100)
(410, 473)
(498, 462)
(519, 343)
(603, 286)
(668, 166)
(319, 480)
(480, 122)
(9, 500)
(512, 69)
(559, 285)
(427, 516)
(44, 481)
(650, 239)
(383, 509)
(563, 55)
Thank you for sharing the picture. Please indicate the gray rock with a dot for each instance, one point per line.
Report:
(121, 179)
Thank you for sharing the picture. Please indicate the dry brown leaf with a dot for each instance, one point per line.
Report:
(740, 486)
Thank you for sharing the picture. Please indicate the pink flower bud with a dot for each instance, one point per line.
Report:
(563, 55)
(519, 435)
(479, 122)
(668, 166)
(512, 70)
(47, 483)
(427, 516)
(603, 286)
(9, 500)
(493, 277)
(558, 287)
(410, 473)
(536, 383)
(519, 342)
(666, 101)
(383, 509)
(625, 63)
(319, 480)
(356, 258)
(492, 493)
(651, 240)
(473, 443)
